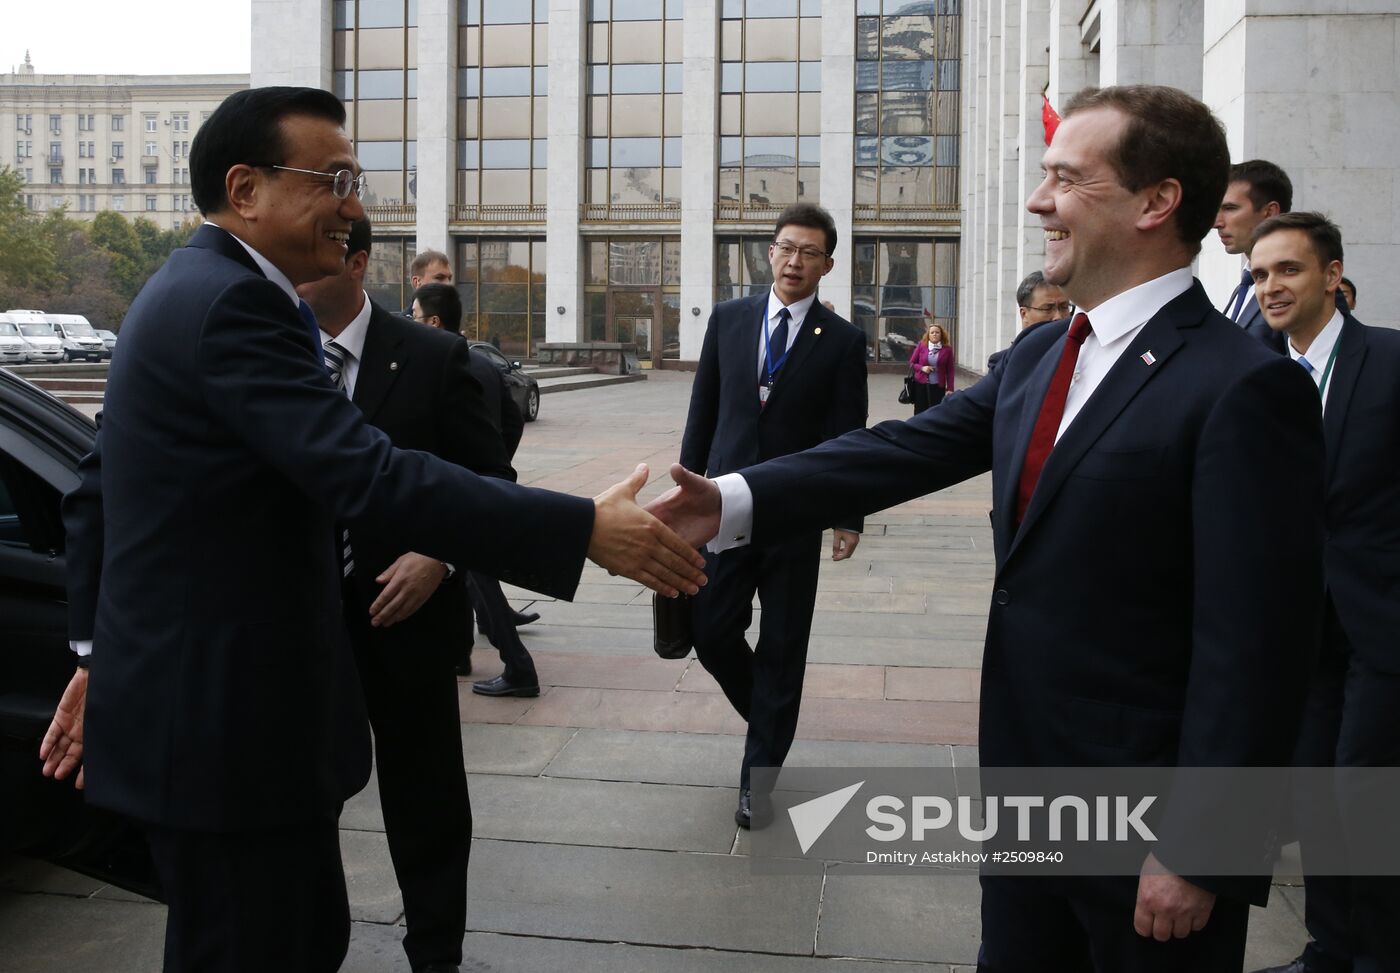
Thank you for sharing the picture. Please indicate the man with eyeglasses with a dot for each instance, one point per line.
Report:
(224, 712)
(1037, 301)
(778, 373)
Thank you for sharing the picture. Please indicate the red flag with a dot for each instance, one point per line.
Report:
(1049, 117)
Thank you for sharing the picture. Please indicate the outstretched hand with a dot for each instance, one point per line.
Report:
(628, 540)
(62, 748)
(691, 508)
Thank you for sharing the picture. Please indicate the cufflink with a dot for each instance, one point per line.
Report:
(393, 366)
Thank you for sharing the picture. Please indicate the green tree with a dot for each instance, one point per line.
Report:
(111, 232)
(26, 255)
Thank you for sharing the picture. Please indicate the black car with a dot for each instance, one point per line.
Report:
(41, 441)
(523, 389)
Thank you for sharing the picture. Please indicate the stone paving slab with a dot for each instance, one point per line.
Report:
(925, 918)
(1276, 935)
(557, 810)
(835, 681)
(369, 877)
(40, 933)
(855, 626)
(878, 650)
(627, 709)
(644, 897)
(906, 682)
(867, 603)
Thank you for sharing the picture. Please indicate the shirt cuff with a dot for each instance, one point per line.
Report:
(82, 648)
(736, 513)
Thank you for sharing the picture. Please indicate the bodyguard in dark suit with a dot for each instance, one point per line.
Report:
(439, 306)
(1258, 190)
(407, 613)
(1296, 259)
(778, 373)
(223, 713)
(1157, 478)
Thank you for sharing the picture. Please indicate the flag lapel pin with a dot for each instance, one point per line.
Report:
(1148, 358)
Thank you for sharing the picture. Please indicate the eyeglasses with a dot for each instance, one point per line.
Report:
(787, 250)
(1062, 309)
(343, 181)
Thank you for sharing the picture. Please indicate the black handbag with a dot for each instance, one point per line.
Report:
(671, 621)
(906, 394)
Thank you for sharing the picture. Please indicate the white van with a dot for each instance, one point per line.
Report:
(13, 350)
(79, 338)
(43, 341)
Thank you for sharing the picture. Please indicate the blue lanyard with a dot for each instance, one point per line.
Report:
(768, 362)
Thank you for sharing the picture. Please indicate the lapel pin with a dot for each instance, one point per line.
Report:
(817, 331)
(393, 366)
(1148, 358)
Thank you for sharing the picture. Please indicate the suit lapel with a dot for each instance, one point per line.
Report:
(743, 353)
(1036, 387)
(1251, 315)
(1122, 383)
(1351, 353)
(379, 366)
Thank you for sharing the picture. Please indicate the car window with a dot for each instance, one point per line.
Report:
(498, 359)
(6, 328)
(29, 509)
(37, 330)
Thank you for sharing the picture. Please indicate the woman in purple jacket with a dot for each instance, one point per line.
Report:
(932, 365)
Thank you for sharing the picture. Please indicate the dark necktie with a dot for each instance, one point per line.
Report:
(335, 365)
(777, 345)
(1241, 296)
(1052, 410)
(308, 317)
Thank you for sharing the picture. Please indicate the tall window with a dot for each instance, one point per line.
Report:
(632, 295)
(742, 267)
(634, 109)
(386, 277)
(907, 108)
(895, 280)
(375, 58)
(118, 123)
(502, 283)
(502, 109)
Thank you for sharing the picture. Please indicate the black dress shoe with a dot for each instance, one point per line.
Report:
(501, 686)
(525, 618)
(754, 811)
(1297, 966)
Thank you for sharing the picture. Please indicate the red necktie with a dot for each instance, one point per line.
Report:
(1052, 410)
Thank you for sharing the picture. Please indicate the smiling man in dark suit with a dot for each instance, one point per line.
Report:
(1296, 261)
(778, 373)
(224, 714)
(1157, 476)
(407, 613)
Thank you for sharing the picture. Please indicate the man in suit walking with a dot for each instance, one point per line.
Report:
(224, 714)
(406, 613)
(439, 306)
(1145, 459)
(1258, 190)
(778, 373)
(1350, 720)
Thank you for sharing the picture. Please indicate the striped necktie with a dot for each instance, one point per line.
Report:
(335, 365)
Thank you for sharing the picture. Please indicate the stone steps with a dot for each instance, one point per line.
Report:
(588, 380)
(541, 373)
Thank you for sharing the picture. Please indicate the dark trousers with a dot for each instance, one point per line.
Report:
(497, 620)
(1078, 925)
(411, 694)
(764, 684)
(253, 900)
(926, 396)
(1370, 737)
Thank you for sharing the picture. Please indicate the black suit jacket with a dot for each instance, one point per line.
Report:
(223, 695)
(415, 383)
(1362, 426)
(1160, 605)
(819, 393)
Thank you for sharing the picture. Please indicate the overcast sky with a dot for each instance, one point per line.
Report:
(135, 37)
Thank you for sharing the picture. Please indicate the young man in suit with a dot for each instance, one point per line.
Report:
(407, 613)
(1156, 475)
(439, 306)
(1296, 259)
(1258, 190)
(778, 373)
(225, 715)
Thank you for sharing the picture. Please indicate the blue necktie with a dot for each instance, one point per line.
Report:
(309, 318)
(1241, 295)
(1306, 364)
(777, 343)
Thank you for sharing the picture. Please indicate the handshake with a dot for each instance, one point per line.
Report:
(656, 545)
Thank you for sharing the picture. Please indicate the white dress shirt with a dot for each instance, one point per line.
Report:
(352, 340)
(1319, 352)
(1115, 323)
(798, 311)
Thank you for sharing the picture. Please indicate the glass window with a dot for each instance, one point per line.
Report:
(496, 82)
(380, 84)
(770, 8)
(770, 76)
(636, 78)
(380, 155)
(630, 152)
(638, 10)
(506, 12)
(505, 154)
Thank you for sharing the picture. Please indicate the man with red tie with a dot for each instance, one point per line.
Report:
(1149, 608)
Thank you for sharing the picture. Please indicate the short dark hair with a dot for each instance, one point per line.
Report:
(361, 237)
(443, 302)
(1324, 235)
(426, 259)
(1267, 183)
(1025, 291)
(1169, 135)
(246, 129)
(1347, 282)
(809, 215)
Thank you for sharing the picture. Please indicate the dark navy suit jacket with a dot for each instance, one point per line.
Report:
(1160, 605)
(223, 695)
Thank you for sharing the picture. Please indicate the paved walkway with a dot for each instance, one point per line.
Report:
(604, 809)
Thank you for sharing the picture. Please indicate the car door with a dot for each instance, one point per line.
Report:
(41, 441)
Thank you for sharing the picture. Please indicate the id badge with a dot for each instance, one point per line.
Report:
(763, 391)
